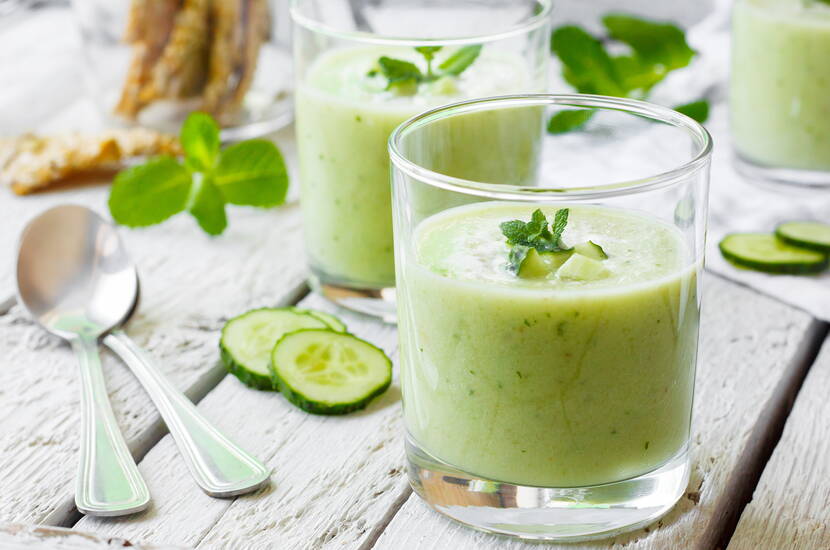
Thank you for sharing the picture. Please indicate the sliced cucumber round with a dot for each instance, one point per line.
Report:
(768, 253)
(812, 235)
(333, 322)
(247, 341)
(327, 372)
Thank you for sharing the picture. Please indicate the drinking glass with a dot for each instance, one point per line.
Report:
(346, 108)
(780, 91)
(549, 395)
(152, 62)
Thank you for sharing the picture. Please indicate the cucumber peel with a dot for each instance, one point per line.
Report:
(247, 340)
(322, 371)
(768, 253)
(811, 235)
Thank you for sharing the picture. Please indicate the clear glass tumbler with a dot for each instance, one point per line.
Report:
(363, 68)
(152, 62)
(548, 377)
(780, 91)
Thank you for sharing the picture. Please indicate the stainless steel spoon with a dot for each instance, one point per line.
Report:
(220, 467)
(71, 277)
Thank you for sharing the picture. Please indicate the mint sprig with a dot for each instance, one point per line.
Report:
(535, 234)
(250, 173)
(405, 75)
(654, 50)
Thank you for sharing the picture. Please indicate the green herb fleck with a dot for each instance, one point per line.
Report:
(560, 328)
(519, 374)
(654, 49)
(522, 236)
(647, 444)
(249, 173)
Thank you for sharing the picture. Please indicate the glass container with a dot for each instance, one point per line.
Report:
(151, 62)
(548, 378)
(347, 105)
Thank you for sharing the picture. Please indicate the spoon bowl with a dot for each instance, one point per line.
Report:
(76, 281)
(73, 274)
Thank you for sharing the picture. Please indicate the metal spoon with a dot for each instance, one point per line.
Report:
(220, 467)
(71, 279)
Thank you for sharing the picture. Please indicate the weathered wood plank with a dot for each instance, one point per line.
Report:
(750, 349)
(15, 536)
(190, 283)
(334, 478)
(791, 505)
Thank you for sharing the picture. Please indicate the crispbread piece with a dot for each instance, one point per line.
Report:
(31, 162)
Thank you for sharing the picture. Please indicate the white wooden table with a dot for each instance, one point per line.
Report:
(339, 482)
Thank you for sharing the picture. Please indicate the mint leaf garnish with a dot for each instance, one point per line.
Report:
(208, 206)
(654, 49)
(429, 54)
(697, 110)
(460, 61)
(399, 72)
(567, 120)
(523, 236)
(249, 173)
(200, 141)
(149, 193)
(406, 76)
(252, 173)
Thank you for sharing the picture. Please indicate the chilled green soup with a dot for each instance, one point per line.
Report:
(345, 115)
(579, 377)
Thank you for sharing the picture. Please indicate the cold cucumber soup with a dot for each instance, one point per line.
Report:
(345, 114)
(780, 84)
(577, 370)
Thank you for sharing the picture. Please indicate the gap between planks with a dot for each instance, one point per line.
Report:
(766, 436)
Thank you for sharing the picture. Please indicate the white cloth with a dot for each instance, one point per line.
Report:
(735, 203)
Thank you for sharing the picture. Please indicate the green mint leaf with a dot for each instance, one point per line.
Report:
(514, 230)
(656, 43)
(697, 110)
(567, 120)
(207, 205)
(200, 141)
(399, 72)
(560, 221)
(459, 61)
(522, 237)
(586, 64)
(636, 76)
(516, 258)
(149, 193)
(252, 173)
(429, 51)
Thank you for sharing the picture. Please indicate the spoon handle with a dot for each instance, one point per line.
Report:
(220, 467)
(108, 482)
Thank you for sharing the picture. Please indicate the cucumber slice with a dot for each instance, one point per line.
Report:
(538, 265)
(768, 253)
(333, 322)
(812, 235)
(327, 372)
(247, 341)
(582, 268)
(592, 250)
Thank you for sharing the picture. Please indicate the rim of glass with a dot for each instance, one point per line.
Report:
(516, 192)
(535, 21)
